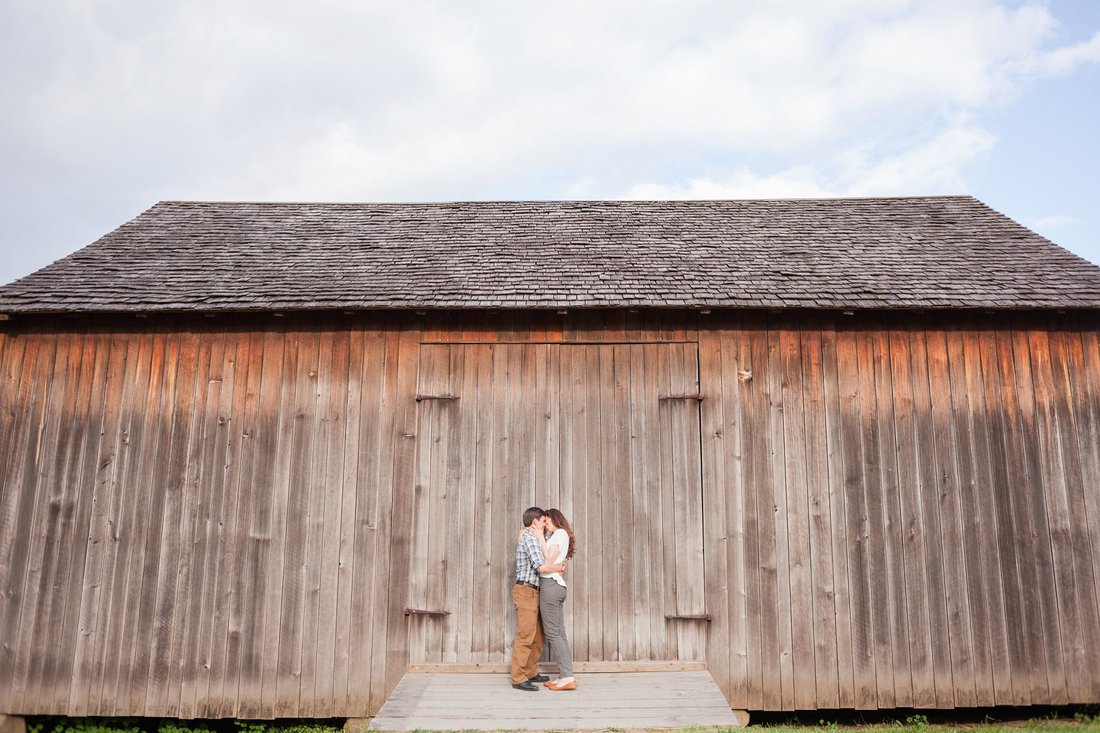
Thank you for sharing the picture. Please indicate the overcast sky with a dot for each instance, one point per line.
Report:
(113, 105)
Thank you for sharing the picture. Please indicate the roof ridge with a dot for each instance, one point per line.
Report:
(466, 202)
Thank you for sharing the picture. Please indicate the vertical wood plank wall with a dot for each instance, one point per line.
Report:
(216, 520)
(201, 523)
(901, 515)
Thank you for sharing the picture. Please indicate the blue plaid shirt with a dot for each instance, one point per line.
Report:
(528, 559)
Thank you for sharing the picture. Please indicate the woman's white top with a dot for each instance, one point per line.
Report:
(559, 541)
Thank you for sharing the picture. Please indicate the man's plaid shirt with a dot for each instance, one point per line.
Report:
(528, 559)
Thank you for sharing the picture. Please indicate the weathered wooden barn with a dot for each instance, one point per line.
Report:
(843, 453)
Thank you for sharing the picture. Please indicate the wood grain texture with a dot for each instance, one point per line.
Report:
(797, 469)
(931, 476)
(206, 542)
(781, 518)
(1083, 359)
(19, 362)
(1083, 403)
(1039, 560)
(962, 691)
(838, 501)
(721, 536)
(857, 517)
(92, 444)
(262, 436)
(982, 507)
(211, 520)
(48, 522)
(891, 624)
(364, 425)
(225, 639)
(1003, 513)
(642, 483)
(918, 548)
(767, 626)
(402, 351)
(822, 584)
(120, 437)
(1074, 474)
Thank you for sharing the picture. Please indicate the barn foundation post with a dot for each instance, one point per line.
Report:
(12, 724)
(351, 725)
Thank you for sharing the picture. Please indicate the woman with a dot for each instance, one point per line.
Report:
(560, 545)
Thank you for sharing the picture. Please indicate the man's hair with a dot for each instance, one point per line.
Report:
(531, 515)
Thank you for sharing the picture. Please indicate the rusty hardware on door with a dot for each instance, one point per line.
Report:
(689, 617)
(422, 612)
(694, 396)
(422, 397)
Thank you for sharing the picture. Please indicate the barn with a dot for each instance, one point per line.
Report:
(261, 460)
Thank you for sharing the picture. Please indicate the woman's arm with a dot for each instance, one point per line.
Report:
(548, 555)
(541, 537)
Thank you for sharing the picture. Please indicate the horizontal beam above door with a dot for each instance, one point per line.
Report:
(582, 667)
(556, 343)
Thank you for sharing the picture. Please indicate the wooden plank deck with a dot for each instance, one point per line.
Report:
(603, 700)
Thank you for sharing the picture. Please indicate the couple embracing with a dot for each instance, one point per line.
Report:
(544, 545)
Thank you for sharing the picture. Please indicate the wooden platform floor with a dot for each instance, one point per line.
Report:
(602, 700)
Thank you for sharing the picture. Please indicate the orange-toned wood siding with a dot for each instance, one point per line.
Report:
(205, 520)
(903, 515)
(200, 524)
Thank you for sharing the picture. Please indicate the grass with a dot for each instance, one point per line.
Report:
(1080, 719)
(42, 724)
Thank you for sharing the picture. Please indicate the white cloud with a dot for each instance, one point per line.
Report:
(799, 182)
(1062, 60)
(123, 102)
(1053, 223)
(936, 166)
(351, 98)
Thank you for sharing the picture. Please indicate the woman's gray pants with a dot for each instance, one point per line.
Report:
(552, 610)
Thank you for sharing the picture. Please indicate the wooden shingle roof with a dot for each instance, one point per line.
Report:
(892, 253)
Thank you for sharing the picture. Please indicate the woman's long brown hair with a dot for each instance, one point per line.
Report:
(560, 521)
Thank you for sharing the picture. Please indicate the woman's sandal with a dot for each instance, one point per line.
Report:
(553, 685)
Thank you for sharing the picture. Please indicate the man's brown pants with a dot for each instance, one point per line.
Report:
(528, 643)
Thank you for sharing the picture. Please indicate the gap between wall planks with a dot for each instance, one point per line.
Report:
(218, 521)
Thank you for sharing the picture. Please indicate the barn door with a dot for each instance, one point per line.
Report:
(607, 433)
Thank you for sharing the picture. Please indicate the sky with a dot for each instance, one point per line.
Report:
(112, 105)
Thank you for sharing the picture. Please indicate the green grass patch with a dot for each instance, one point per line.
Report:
(175, 725)
(1077, 719)
(1073, 719)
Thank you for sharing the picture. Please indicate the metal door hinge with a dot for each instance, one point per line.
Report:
(689, 617)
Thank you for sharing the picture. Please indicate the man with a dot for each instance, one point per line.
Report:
(527, 645)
